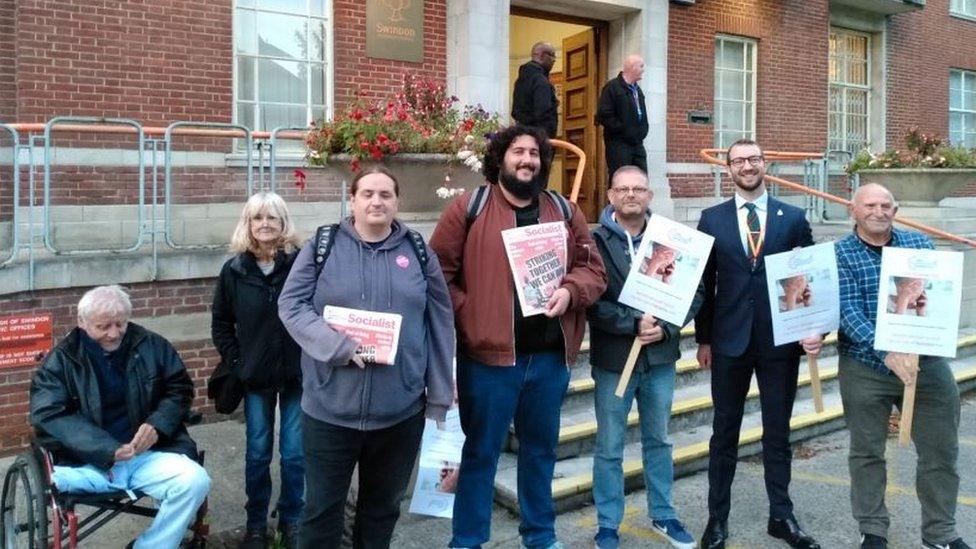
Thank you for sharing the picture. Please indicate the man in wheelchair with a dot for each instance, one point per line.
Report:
(109, 404)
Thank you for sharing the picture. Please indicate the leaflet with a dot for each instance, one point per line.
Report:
(804, 293)
(378, 334)
(664, 278)
(919, 299)
(537, 258)
(437, 469)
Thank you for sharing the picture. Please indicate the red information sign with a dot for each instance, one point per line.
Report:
(24, 340)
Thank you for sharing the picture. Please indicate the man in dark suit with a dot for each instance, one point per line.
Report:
(623, 114)
(735, 337)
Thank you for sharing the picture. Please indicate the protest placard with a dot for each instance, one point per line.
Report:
(804, 296)
(919, 297)
(665, 274)
(537, 258)
(378, 334)
(437, 469)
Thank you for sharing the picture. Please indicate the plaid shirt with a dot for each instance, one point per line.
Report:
(859, 269)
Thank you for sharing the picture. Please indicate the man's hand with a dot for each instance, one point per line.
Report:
(358, 360)
(648, 331)
(812, 345)
(145, 438)
(558, 303)
(904, 365)
(705, 356)
(124, 452)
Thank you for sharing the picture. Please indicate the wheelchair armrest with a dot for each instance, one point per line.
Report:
(193, 417)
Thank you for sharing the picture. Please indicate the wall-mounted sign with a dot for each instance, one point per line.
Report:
(24, 340)
(395, 29)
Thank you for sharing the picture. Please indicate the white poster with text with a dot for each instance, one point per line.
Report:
(804, 295)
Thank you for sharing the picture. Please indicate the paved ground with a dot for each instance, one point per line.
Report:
(820, 490)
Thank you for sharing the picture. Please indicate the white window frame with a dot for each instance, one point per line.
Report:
(844, 86)
(328, 64)
(747, 72)
(963, 8)
(960, 111)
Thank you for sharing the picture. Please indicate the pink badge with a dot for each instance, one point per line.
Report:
(402, 261)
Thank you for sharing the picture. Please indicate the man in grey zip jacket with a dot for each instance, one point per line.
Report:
(613, 327)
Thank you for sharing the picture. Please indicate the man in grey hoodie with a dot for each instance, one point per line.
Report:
(613, 327)
(356, 411)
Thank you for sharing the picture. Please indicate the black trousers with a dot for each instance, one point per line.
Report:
(385, 457)
(776, 378)
(620, 154)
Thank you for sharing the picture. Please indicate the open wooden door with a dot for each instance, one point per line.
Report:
(580, 93)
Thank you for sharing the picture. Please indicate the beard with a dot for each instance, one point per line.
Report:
(522, 190)
(741, 182)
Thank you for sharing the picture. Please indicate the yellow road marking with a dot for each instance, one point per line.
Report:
(892, 488)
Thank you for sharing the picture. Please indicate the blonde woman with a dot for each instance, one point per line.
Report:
(248, 334)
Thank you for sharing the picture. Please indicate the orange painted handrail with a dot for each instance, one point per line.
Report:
(708, 156)
(578, 178)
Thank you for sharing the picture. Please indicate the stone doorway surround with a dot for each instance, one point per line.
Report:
(477, 61)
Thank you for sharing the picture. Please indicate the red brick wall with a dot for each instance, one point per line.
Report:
(148, 300)
(153, 60)
(379, 78)
(8, 87)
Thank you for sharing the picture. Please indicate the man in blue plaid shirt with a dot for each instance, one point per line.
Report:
(872, 381)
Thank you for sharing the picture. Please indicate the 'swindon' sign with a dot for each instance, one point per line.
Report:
(395, 29)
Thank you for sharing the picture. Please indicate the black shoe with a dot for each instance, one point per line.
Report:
(957, 543)
(789, 531)
(716, 532)
(289, 535)
(255, 539)
(871, 541)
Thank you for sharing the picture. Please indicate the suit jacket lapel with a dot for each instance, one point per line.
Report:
(731, 235)
(774, 227)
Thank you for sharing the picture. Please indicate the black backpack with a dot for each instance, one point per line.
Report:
(479, 197)
(324, 238)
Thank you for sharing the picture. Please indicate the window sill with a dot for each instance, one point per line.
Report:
(963, 16)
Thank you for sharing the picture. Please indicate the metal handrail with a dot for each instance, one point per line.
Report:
(273, 153)
(707, 155)
(86, 121)
(578, 178)
(14, 242)
(216, 129)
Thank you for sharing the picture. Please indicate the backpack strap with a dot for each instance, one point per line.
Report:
(323, 245)
(561, 203)
(479, 197)
(419, 248)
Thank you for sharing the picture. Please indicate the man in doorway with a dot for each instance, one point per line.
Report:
(511, 366)
(872, 381)
(534, 100)
(613, 327)
(735, 337)
(623, 115)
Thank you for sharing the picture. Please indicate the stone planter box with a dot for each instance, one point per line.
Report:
(419, 176)
(919, 187)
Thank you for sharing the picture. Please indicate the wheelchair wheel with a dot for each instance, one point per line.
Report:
(24, 500)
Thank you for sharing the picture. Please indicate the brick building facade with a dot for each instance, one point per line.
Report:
(167, 60)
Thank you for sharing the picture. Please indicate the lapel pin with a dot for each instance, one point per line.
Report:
(779, 212)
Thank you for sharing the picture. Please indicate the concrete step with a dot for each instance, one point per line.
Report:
(690, 433)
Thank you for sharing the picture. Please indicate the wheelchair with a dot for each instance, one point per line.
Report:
(35, 515)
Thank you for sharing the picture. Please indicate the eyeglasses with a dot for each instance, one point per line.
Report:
(754, 160)
(637, 191)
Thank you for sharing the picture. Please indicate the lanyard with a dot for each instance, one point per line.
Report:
(755, 244)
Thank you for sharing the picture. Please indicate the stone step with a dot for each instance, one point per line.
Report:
(572, 481)
(691, 407)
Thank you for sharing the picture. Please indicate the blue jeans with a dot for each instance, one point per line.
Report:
(259, 414)
(176, 481)
(489, 397)
(654, 391)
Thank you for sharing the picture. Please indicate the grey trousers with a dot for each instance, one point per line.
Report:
(868, 396)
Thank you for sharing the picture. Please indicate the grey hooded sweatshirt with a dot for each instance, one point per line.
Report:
(386, 279)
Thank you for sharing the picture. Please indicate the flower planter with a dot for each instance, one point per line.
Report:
(419, 175)
(919, 187)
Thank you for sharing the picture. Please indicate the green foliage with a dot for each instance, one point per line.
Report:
(420, 118)
(921, 151)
